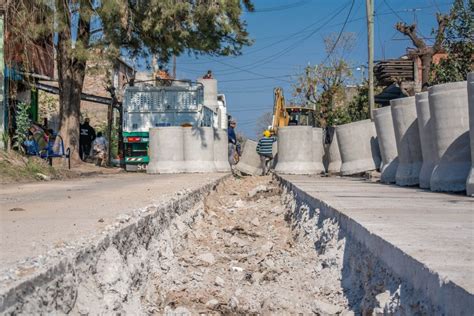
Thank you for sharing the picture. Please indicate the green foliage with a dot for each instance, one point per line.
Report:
(22, 125)
(458, 45)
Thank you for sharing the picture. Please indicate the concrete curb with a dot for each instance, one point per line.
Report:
(444, 296)
(56, 280)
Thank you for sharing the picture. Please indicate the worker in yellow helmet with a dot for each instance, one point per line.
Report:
(265, 150)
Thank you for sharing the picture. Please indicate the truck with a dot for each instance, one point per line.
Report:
(145, 106)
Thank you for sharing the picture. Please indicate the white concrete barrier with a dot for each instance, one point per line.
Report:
(318, 149)
(450, 130)
(221, 157)
(358, 147)
(332, 157)
(249, 162)
(426, 139)
(198, 149)
(210, 92)
(295, 150)
(166, 150)
(387, 143)
(470, 89)
(405, 125)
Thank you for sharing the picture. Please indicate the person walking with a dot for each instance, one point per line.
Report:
(232, 147)
(265, 151)
(99, 149)
(87, 135)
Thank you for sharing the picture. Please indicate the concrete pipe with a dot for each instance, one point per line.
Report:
(358, 147)
(450, 130)
(387, 143)
(199, 149)
(332, 157)
(405, 125)
(318, 149)
(249, 162)
(166, 150)
(221, 159)
(210, 92)
(470, 89)
(426, 139)
(295, 151)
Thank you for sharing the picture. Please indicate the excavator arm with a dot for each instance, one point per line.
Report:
(280, 117)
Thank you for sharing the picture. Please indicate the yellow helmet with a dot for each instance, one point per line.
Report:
(267, 133)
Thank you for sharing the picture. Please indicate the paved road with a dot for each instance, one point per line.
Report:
(436, 229)
(63, 211)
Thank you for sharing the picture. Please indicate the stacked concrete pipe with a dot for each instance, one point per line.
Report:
(470, 89)
(166, 150)
(332, 157)
(221, 157)
(249, 162)
(426, 139)
(358, 147)
(295, 151)
(318, 149)
(450, 131)
(387, 143)
(405, 125)
(198, 149)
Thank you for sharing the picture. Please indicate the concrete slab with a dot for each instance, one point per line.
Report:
(435, 229)
(51, 214)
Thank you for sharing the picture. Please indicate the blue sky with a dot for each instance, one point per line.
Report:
(289, 34)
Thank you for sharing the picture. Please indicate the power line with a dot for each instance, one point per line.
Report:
(280, 8)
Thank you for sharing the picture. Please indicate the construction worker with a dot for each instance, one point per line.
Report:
(208, 75)
(265, 150)
(232, 137)
(87, 135)
(99, 149)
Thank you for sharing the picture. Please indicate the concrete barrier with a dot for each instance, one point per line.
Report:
(470, 89)
(405, 125)
(426, 139)
(358, 147)
(166, 150)
(450, 130)
(221, 159)
(387, 143)
(332, 157)
(210, 92)
(249, 162)
(295, 150)
(318, 149)
(199, 149)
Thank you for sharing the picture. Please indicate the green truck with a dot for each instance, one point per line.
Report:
(179, 103)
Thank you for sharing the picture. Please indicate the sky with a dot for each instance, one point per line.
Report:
(289, 34)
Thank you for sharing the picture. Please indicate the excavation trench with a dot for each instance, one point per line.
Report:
(249, 246)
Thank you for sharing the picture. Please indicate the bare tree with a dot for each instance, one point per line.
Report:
(263, 122)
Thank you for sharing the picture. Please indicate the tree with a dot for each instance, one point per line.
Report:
(458, 45)
(263, 122)
(140, 28)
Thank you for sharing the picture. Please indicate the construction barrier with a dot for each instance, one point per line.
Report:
(332, 157)
(358, 147)
(318, 149)
(405, 125)
(450, 132)
(221, 159)
(249, 162)
(210, 92)
(426, 139)
(295, 151)
(166, 150)
(199, 149)
(387, 143)
(470, 89)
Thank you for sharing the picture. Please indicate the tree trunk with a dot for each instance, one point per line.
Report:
(426, 60)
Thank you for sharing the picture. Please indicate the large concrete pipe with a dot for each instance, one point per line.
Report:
(199, 149)
(166, 150)
(358, 147)
(405, 125)
(221, 159)
(249, 162)
(387, 143)
(210, 93)
(450, 129)
(426, 139)
(295, 151)
(332, 157)
(470, 90)
(318, 149)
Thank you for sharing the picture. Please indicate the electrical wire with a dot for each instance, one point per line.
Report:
(280, 8)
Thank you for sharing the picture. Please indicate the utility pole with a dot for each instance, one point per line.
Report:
(370, 40)
(174, 66)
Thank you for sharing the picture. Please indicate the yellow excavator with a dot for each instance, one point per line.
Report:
(291, 115)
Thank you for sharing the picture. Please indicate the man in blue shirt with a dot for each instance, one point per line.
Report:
(232, 137)
(265, 150)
